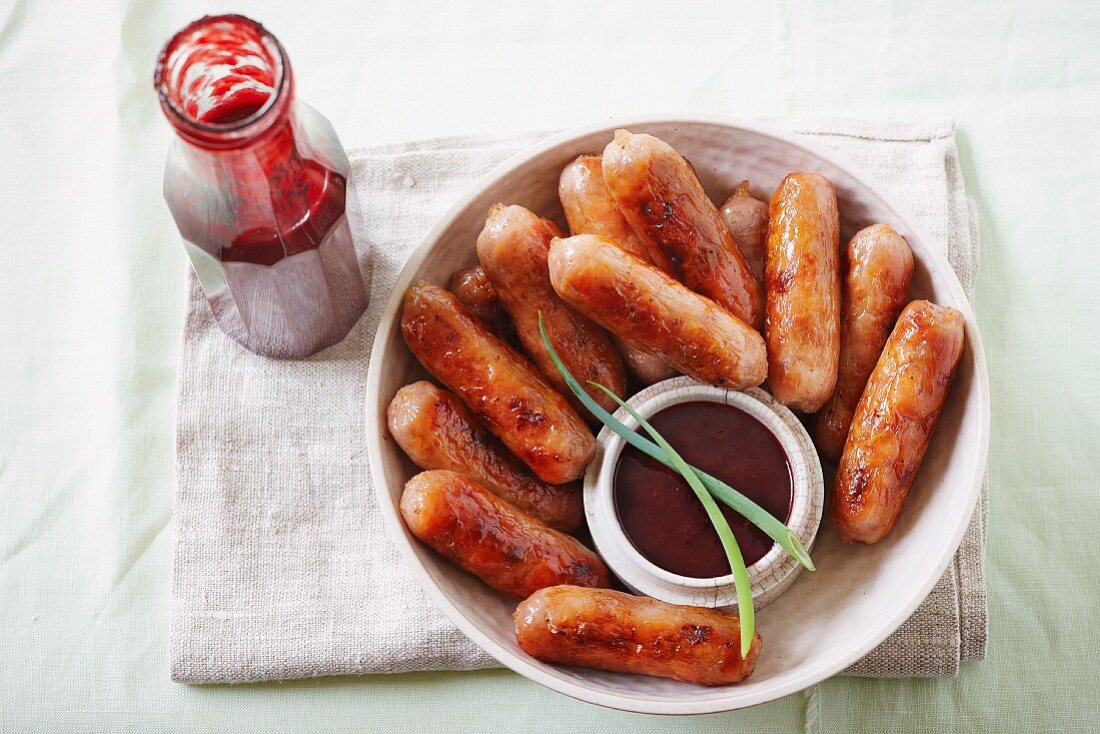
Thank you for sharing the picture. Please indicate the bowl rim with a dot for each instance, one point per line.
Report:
(654, 398)
(711, 704)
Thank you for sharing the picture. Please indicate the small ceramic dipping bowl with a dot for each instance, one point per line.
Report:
(776, 569)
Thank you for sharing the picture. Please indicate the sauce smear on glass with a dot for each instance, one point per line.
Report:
(660, 513)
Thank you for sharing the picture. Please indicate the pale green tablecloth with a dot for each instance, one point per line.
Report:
(92, 301)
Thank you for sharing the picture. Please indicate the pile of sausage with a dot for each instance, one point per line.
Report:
(655, 280)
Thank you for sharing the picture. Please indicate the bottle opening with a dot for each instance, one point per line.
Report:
(222, 80)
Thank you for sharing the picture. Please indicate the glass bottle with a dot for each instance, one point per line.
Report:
(258, 185)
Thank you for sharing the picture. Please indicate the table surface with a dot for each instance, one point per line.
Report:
(92, 307)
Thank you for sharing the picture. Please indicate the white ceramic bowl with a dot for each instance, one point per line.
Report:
(859, 594)
(772, 574)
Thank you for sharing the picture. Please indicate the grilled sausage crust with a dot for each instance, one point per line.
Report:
(439, 432)
(509, 550)
(634, 299)
(894, 421)
(747, 220)
(610, 630)
(876, 287)
(512, 248)
(503, 389)
(802, 275)
(684, 234)
(589, 209)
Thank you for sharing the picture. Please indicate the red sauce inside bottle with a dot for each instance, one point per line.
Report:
(228, 89)
(660, 513)
(221, 70)
(240, 106)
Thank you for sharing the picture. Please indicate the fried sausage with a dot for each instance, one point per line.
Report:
(894, 421)
(632, 298)
(475, 292)
(802, 275)
(610, 630)
(509, 550)
(747, 220)
(876, 288)
(512, 248)
(589, 209)
(503, 389)
(661, 197)
(439, 432)
(646, 366)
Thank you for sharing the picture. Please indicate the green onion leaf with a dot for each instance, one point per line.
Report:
(758, 516)
(745, 609)
(754, 513)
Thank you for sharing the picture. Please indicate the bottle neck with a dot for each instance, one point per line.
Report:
(225, 84)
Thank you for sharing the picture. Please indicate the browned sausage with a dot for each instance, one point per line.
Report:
(474, 291)
(512, 248)
(610, 630)
(438, 432)
(747, 219)
(636, 300)
(589, 209)
(803, 291)
(683, 232)
(895, 419)
(509, 550)
(876, 288)
(503, 389)
(646, 366)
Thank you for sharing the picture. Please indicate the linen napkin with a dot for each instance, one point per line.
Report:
(282, 566)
